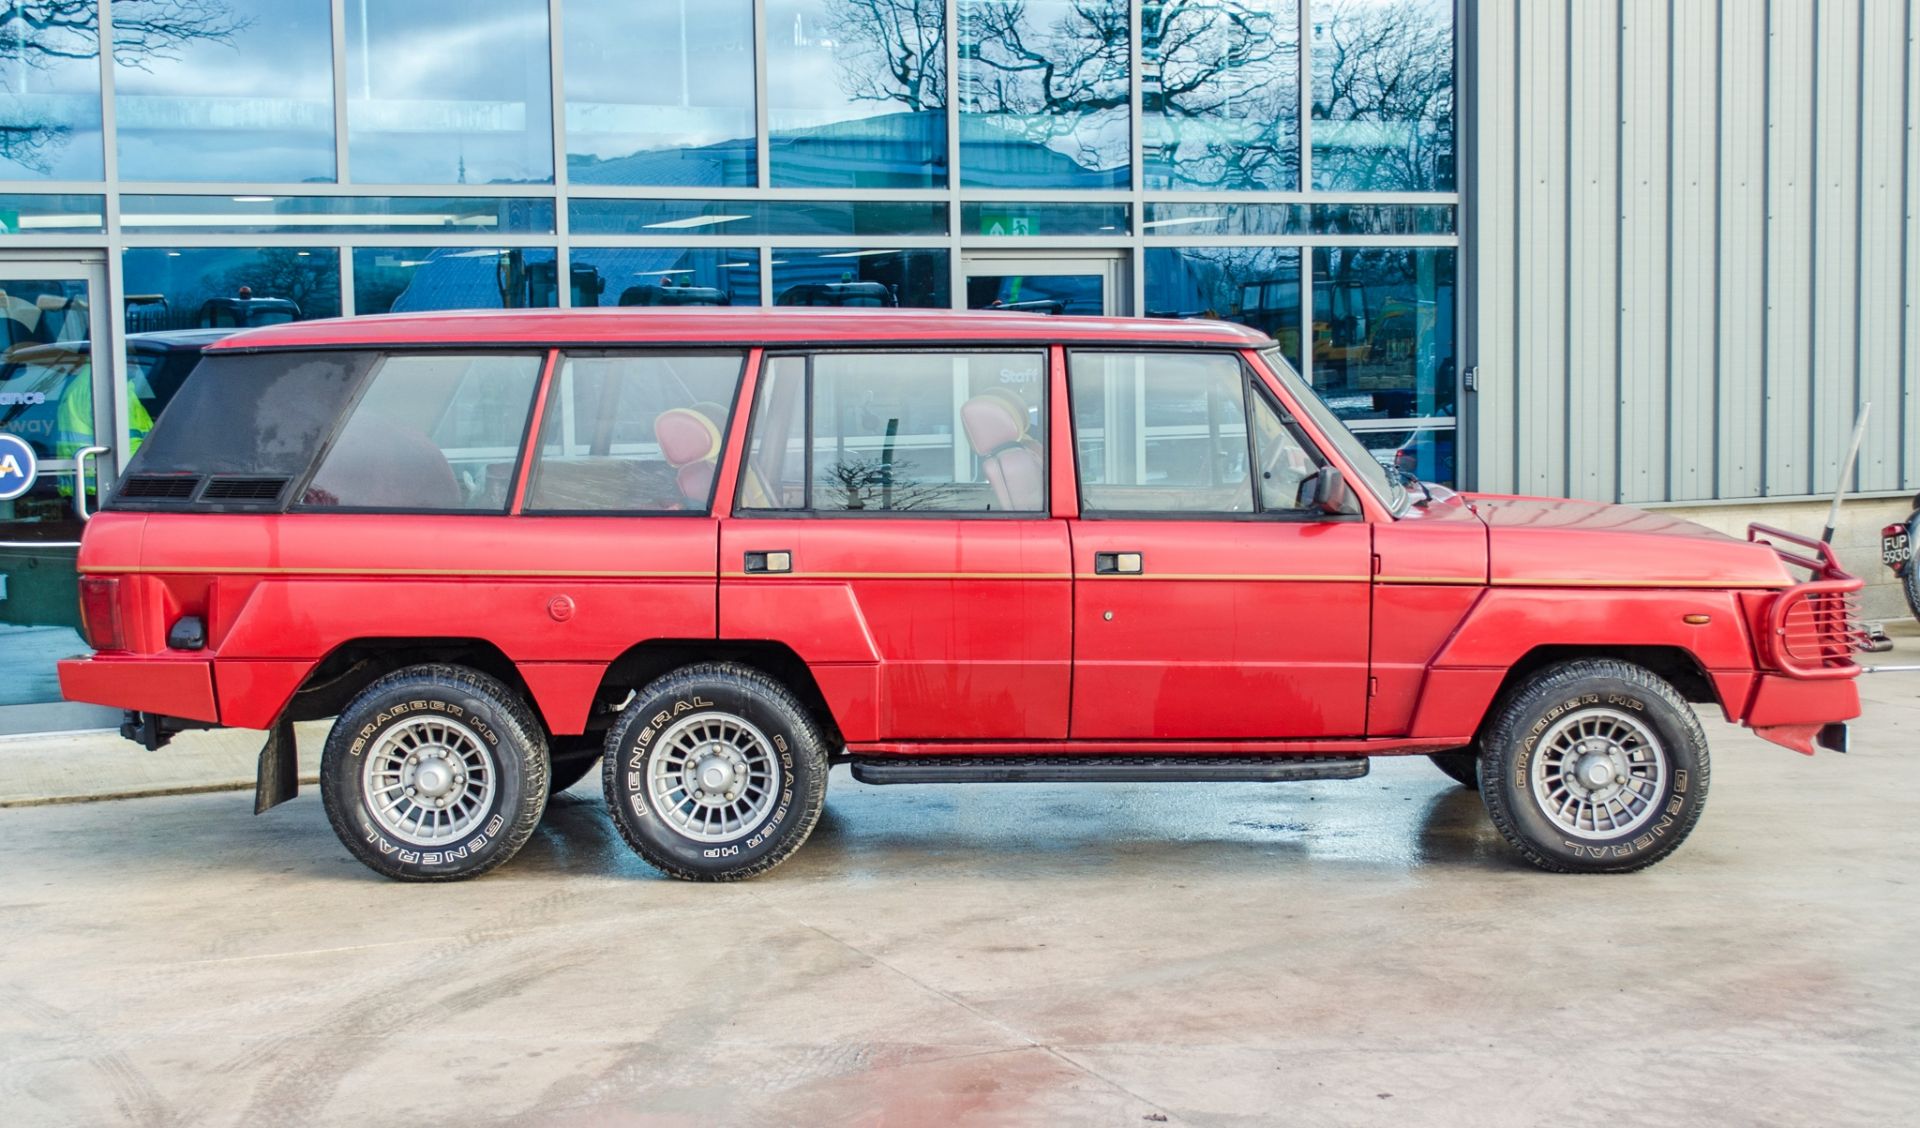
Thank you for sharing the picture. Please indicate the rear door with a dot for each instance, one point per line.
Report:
(891, 526)
(1211, 600)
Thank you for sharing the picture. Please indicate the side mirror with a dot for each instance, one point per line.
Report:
(1330, 490)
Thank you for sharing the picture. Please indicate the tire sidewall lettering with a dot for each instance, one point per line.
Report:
(631, 770)
(1672, 804)
(409, 854)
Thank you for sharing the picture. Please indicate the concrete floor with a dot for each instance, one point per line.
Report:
(1332, 953)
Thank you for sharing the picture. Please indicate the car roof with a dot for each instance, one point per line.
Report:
(735, 327)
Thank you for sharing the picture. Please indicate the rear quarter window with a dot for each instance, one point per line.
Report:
(256, 415)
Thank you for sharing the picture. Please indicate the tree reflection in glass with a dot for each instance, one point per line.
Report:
(1044, 90)
(1220, 94)
(1382, 78)
(245, 93)
(857, 93)
(50, 72)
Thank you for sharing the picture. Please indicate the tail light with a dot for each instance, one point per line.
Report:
(100, 612)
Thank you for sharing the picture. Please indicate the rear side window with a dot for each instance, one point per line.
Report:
(633, 433)
(260, 416)
(900, 433)
(432, 432)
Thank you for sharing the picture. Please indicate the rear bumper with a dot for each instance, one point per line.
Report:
(173, 687)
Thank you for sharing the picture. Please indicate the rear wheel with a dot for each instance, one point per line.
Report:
(434, 773)
(1462, 765)
(1595, 766)
(715, 772)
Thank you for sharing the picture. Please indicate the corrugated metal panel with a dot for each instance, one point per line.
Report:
(1593, 254)
(1883, 32)
(1645, 246)
(1490, 281)
(1790, 198)
(1743, 256)
(1691, 247)
(1834, 359)
(1540, 275)
(1693, 311)
(1910, 265)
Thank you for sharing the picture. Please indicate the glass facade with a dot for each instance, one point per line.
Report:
(244, 93)
(1288, 164)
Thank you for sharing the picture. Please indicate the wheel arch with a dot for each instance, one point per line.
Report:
(645, 661)
(1675, 665)
(356, 663)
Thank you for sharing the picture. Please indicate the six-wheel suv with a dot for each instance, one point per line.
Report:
(715, 552)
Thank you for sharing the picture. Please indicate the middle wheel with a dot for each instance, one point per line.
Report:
(715, 772)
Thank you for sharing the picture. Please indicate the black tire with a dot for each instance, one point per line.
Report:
(406, 705)
(791, 760)
(570, 758)
(1910, 580)
(1462, 766)
(1613, 698)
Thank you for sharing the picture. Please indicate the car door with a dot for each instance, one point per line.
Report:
(1212, 600)
(891, 526)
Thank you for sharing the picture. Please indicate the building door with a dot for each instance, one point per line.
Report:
(56, 416)
(1085, 283)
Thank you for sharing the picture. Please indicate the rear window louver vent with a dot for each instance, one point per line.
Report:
(159, 487)
(237, 488)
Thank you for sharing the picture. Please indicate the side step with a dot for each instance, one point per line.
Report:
(1106, 769)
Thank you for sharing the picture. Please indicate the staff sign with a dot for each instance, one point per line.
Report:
(17, 467)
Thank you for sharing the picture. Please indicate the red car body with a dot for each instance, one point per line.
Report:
(937, 636)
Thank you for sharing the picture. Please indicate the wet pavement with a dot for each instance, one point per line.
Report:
(1361, 952)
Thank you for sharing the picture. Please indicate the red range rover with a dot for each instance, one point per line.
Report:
(715, 552)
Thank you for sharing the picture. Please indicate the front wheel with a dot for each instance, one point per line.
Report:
(434, 773)
(715, 772)
(1595, 766)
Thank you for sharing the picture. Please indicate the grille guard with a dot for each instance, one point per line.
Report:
(1813, 629)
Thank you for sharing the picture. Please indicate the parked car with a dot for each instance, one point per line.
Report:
(247, 311)
(1896, 552)
(714, 552)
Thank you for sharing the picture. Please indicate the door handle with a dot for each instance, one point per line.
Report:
(1118, 564)
(769, 563)
(80, 479)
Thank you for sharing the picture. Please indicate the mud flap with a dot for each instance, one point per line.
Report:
(279, 777)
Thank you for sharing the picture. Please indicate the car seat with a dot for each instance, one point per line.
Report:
(377, 463)
(690, 442)
(997, 427)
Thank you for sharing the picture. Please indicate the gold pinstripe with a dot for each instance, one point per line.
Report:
(457, 573)
(1190, 577)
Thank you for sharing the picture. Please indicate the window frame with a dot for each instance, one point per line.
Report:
(1043, 350)
(1250, 386)
(304, 482)
(530, 453)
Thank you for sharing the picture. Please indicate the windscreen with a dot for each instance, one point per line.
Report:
(252, 413)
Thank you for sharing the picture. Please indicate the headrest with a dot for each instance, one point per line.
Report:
(993, 419)
(686, 436)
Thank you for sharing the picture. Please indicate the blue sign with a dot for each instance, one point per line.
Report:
(17, 467)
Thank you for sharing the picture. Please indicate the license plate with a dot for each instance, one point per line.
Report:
(1895, 549)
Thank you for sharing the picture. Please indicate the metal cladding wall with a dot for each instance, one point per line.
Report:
(1692, 245)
